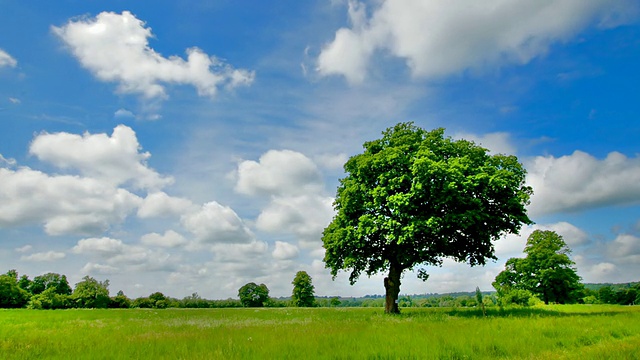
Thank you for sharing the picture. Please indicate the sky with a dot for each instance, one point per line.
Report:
(196, 146)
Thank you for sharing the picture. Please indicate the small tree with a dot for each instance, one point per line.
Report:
(302, 295)
(253, 295)
(546, 271)
(480, 300)
(413, 198)
(91, 293)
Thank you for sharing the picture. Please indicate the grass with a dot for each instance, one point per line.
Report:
(549, 332)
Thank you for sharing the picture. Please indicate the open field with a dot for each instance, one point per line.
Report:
(549, 332)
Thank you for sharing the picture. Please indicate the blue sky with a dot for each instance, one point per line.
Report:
(196, 146)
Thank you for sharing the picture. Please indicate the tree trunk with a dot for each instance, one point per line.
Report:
(392, 287)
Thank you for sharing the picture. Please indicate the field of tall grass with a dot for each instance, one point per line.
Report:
(547, 332)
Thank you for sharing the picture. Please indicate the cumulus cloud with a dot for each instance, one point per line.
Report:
(23, 249)
(122, 257)
(169, 239)
(93, 268)
(295, 189)
(304, 215)
(439, 38)
(215, 223)
(580, 181)
(285, 251)
(159, 204)
(625, 248)
(7, 60)
(497, 143)
(64, 204)
(278, 172)
(103, 246)
(44, 256)
(116, 158)
(115, 48)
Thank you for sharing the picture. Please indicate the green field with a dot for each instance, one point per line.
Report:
(549, 332)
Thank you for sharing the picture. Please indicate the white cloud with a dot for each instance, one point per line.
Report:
(123, 113)
(215, 223)
(625, 248)
(278, 172)
(580, 181)
(440, 38)
(497, 143)
(169, 239)
(116, 158)
(103, 246)
(44, 256)
(24, 248)
(305, 216)
(93, 268)
(123, 257)
(7, 60)
(285, 251)
(331, 161)
(64, 204)
(297, 204)
(159, 204)
(115, 48)
(7, 162)
(14, 101)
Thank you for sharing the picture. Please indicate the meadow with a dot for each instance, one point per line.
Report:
(543, 332)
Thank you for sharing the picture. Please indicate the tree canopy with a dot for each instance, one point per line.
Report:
(415, 197)
(546, 271)
(253, 295)
(302, 295)
(91, 293)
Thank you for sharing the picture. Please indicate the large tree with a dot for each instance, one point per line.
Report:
(302, 294)
(547, 270)
(415, 197)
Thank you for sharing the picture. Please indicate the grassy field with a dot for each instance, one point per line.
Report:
(551, 332)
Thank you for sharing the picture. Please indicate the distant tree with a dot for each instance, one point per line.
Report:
(120, 301)
(25, 283)
(143, 303)
(54, 281)
(546, 271)
(253, 295)
(49, 299)
(91, 293)
(413, 198)
(302, 295)
(11, 295)
(158, 300)
(480, 301)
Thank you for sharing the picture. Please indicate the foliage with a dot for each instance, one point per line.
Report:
(49, 299)
(415, 197)
(252, 295)
(546, 271)
(11, 295)
(120, 301)
(302, 295)
(54, 281)
(91, 293)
